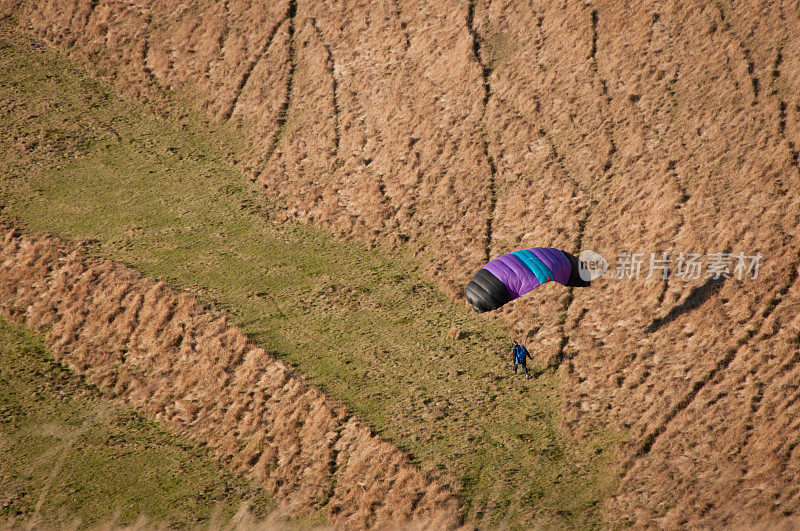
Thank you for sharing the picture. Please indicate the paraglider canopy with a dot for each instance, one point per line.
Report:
(512, 275)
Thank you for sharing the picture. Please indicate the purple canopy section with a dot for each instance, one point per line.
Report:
(518, 271)
(556, 262)
(513, 273)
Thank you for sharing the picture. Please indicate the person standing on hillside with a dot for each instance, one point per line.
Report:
(519, 356)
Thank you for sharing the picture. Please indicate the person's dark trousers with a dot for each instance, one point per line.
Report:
(524, 368)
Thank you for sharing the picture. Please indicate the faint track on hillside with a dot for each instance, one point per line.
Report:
(487, 93)
(148, 72)
(671, 91)
(92, 7)
(362, 116)
(399, 14)
(793, 151)
(330, 67)
(283, 113)
(776, 73)
(258, 56)
(605, 98)
(66, 448)
(561, 353)
(755, 83)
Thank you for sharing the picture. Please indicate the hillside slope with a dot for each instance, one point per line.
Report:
(466, 130)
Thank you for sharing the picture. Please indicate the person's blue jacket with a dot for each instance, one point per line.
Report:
(520, 353)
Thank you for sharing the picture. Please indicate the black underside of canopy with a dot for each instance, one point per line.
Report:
(485, 292)
(575, 279)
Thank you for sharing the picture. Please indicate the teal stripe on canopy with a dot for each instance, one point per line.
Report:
(535, 265)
